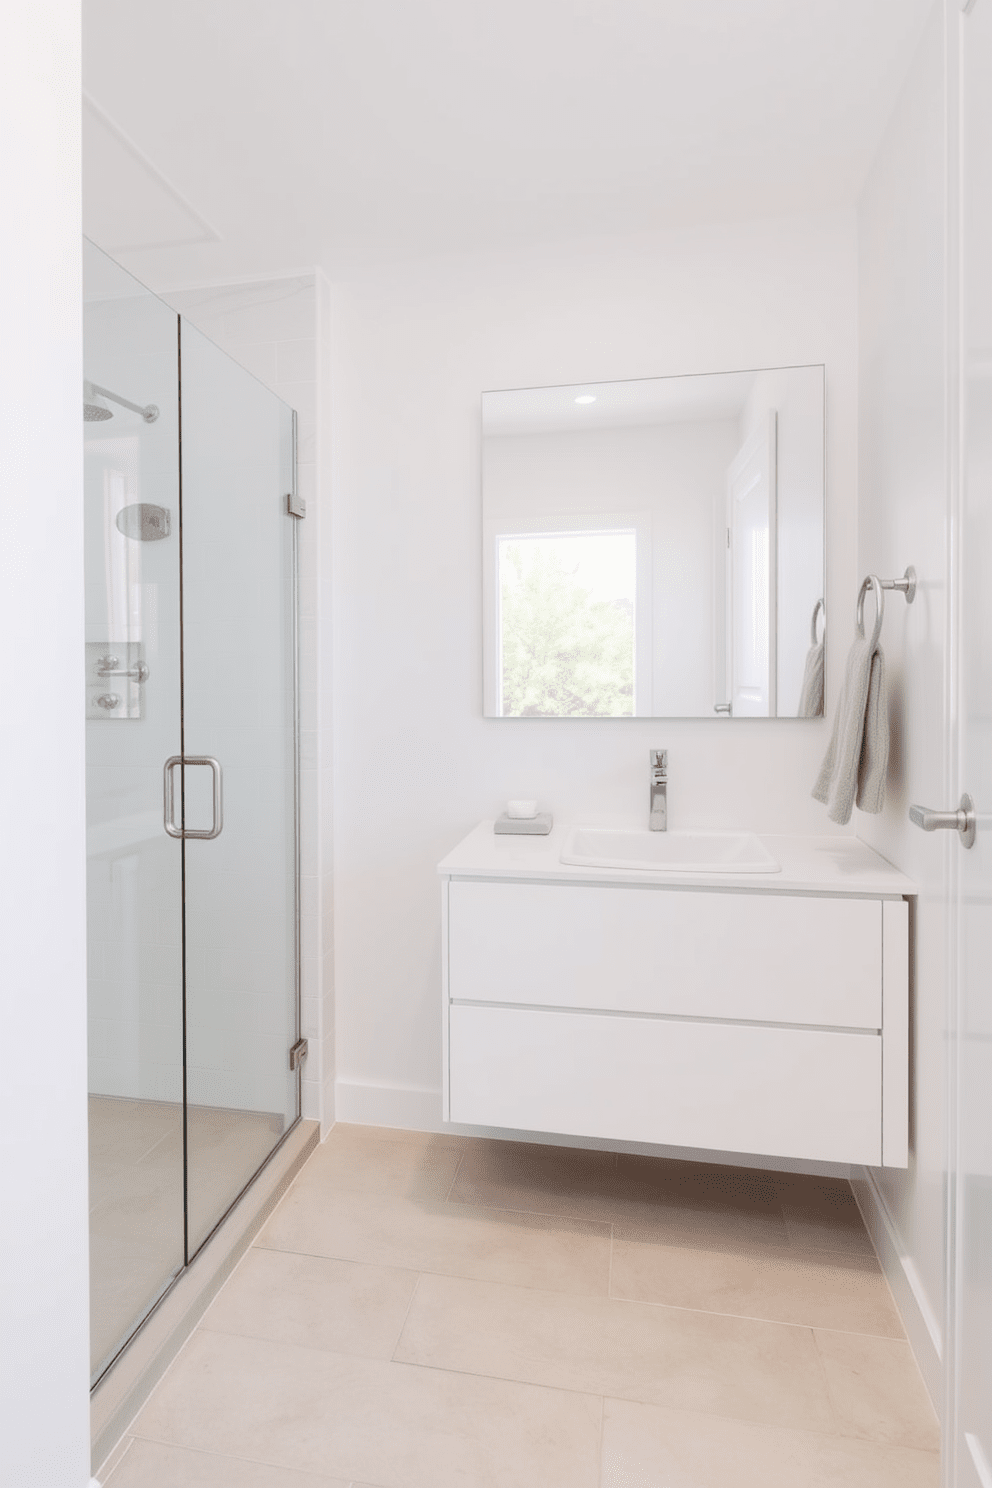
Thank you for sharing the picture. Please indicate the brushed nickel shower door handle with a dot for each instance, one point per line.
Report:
(169, 793)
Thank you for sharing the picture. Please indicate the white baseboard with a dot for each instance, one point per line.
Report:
(411, 1107)
(923, 1328)
(418, 1108)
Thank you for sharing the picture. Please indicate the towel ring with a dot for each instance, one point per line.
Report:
(907, 584)
(818, 609)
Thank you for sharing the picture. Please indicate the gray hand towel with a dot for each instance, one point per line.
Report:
(874, 761)
(811, 693)
(857, 756)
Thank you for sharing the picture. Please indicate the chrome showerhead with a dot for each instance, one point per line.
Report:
(95, 410)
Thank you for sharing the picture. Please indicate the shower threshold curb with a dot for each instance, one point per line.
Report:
(118, 1397)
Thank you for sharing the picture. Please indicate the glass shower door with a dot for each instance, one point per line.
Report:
(190, 788)
(239, 644)
(134, 871)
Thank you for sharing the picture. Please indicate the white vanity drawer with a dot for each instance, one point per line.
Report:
(787, 1092)
(760, 957)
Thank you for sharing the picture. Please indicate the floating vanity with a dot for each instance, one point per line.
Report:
(729, 1008)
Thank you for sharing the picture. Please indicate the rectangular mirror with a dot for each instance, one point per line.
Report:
(655, 548)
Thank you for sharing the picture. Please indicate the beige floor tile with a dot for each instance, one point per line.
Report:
(686, 1204)
(815, 1289)
(342, 1306)
(411, 1170)
(645, 1446)
(826, 1219)
(877, 1391)
(693, 1360)
(539, 1179)
(123, 1288)
(643, 1178)
(109, 1180)
(810, 1188)
(560, 1254)
(703, 1224)
(125, 1130)
(147, 1204)
(136, 1223)
(371, 1421)
(153, 1465)
(136, 1248)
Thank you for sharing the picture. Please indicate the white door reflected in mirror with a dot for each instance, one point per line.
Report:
(652, 548)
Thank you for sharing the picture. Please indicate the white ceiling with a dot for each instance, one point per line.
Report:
(239, 137)
(612, 405)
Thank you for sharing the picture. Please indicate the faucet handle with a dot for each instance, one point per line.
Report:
(659, 760)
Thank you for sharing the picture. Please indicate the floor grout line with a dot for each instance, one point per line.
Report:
(454, 1178)
(517, 1286)
(406, 1315)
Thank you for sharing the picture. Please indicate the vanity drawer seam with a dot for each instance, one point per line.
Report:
(765, 891)
(590, 1012)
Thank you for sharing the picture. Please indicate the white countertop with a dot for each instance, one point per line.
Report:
(812, 865)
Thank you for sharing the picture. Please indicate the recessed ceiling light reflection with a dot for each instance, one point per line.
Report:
(586, 398)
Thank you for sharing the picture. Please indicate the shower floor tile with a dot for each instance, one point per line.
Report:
(465, 1313)
(136, 1198)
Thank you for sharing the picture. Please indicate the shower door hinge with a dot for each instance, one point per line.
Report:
(298, 1053)
(295, 505)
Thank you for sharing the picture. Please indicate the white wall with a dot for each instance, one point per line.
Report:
(904, 510)
(44, 1349)
(416, 764)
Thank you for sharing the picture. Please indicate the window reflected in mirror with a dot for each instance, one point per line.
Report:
(654, 548)
(566, 624)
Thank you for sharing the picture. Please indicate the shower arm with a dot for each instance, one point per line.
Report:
(149, 412)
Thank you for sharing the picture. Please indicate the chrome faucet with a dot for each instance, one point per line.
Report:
(658, 820)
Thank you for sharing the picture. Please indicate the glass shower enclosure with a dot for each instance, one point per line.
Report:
(192, 820)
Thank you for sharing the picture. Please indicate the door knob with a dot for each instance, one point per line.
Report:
(962, 820)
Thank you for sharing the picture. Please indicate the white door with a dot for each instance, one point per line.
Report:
(970, 1443)
(751, 570)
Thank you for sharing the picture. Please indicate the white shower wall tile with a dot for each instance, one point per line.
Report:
(310, 1017)
(297, 361)
(301, 396)
(237, 315)
(310, 822)
(260, 358)
(307, 482)
(311, 1097)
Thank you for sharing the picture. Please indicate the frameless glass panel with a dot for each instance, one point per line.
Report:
(134, 878)
(238, 710)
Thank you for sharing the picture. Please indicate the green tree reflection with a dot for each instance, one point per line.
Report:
(565, 654)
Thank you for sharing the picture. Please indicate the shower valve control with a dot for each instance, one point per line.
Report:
(109, 666)
(122, 666)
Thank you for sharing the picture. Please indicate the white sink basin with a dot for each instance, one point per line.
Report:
(667, 852)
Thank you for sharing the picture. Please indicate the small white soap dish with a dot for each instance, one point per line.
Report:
(524, 826)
